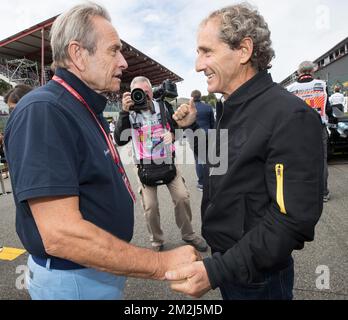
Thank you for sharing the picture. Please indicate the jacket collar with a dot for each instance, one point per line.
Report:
(96, 101)
(252, 88)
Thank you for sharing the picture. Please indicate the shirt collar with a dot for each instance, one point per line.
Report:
(96, 101)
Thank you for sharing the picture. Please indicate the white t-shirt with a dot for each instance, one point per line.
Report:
(337, 98)
(147, 131)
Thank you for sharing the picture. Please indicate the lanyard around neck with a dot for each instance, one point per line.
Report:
(107, 137)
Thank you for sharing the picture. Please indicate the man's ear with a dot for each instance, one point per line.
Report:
(77, 55)
(246, 50)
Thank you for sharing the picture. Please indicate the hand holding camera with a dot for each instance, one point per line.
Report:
(127, 102)
(137, 100)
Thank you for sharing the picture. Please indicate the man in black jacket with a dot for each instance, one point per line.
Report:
(269, 201)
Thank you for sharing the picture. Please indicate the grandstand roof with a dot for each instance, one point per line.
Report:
(28, 44)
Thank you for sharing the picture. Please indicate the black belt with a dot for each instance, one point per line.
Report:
(57, 264)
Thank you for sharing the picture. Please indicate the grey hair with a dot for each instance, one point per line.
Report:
(140, 80)
(306, 67)
(75, 25)
(241, 21)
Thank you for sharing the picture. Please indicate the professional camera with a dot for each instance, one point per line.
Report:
(168, 89)
(140, 100)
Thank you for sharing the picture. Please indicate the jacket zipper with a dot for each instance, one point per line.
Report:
(222, 115)
(279, 168)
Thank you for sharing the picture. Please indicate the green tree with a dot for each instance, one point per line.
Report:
(210, 99)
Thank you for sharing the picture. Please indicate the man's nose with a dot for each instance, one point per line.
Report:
(123, 63)
(200, 65)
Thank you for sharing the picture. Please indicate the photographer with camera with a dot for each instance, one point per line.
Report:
(152, 136)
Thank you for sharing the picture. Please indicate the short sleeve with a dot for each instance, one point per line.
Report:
(43, 153)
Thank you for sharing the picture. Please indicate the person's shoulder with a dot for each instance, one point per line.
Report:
(280, 106)
(285, 101)
(279, 92)
(204, 105)
(43, 95)
(320, 81)
(291, 87)
(42, 100)
(208, 105)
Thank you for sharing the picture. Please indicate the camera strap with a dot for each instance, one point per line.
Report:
(164, 124)
(108, 138)
(163, 113)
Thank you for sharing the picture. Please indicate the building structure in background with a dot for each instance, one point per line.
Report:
(26, 57)
(332, 67)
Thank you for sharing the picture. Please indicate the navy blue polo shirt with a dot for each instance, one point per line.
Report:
(55, 148)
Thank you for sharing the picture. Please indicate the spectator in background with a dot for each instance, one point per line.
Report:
(112, 127)
(314, 92)
(14, 95)
(144, 146)
(337, 99)
(206, 121)
(112, 130)
(2, 153)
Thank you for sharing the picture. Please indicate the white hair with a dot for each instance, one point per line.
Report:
(240, 21)
(306, 67)
(140, 80)
(75, 25)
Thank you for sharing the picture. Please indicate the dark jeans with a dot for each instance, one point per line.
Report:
(277, 286)
(199, 171)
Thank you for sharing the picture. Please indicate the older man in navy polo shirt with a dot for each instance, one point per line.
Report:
(74, 201)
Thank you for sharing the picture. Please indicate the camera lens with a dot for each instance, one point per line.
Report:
(138, 96)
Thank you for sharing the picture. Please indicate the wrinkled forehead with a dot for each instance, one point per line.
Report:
(214, 23)
(208, 33)
(211, 27)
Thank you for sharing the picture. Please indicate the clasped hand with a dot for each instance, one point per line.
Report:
(190, 279)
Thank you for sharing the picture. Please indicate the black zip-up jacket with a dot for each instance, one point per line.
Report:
(271, 198)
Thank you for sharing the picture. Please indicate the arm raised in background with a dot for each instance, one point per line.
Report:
(186, 115)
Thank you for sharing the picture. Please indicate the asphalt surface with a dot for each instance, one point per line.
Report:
(329, 249)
